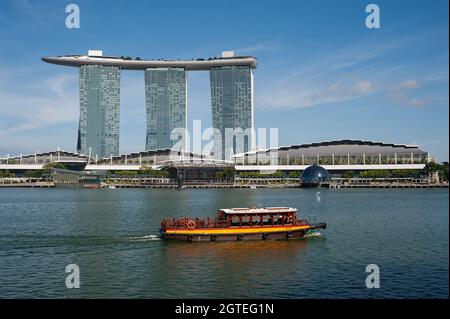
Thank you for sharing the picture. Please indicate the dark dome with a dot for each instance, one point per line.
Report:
(315, 175)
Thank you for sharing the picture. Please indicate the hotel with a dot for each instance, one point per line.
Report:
(231, 79)
(98, 128)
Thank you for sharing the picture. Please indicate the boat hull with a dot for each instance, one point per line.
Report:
(207, 235)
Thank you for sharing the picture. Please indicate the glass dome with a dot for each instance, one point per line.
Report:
(314, 175)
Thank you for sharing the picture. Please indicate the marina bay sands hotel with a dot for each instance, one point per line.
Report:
(231, 79)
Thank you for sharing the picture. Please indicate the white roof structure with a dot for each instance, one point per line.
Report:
(96, 57)
(259, 210)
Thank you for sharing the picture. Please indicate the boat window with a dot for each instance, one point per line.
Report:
(246, 221)
(277, 220)
(235, 221)
(267, 220)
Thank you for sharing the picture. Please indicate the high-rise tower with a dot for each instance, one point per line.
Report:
(98, 129)
(232, 109)
(166, 99)
(231, 80)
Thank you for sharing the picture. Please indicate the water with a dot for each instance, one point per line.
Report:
(111, 236)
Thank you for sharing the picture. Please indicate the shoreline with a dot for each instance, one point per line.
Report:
(227, 186)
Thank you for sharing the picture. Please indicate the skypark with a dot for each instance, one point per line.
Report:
(95, 57)
(166, 97)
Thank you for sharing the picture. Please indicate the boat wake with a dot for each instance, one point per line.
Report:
(145, 238)
(314, 234)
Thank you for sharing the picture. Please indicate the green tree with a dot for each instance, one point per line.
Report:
(33, 173)
(229, 173)
(47, 167)
(444, 171)
(294, 174)
(347, 174)
(7, 173)
(431, 167)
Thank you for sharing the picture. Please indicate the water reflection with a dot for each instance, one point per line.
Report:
(219, 269)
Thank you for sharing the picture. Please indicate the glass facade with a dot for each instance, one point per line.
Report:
(232, 109)
(165, 97)
(98, 129)
(314, 175)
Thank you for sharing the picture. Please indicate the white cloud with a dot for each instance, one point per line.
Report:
(260, 47)
(409, 84)
(52, 101)
(402, 94)
(417, 102)
(307, 97)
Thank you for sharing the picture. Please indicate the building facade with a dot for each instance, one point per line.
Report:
(232, 110)
(340, 155)
(231, 79)
(98, 128)
(166, 101)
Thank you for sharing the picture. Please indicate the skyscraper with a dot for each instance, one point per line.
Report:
(165, 96)
(231, 80)
(98, 129)
(232, 109)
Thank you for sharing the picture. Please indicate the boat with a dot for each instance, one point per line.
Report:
(232, 224)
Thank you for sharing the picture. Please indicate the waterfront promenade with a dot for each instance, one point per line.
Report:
(238, 182)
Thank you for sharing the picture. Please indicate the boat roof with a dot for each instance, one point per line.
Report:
(259, 210)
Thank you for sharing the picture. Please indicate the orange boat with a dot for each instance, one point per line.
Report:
(240, 224)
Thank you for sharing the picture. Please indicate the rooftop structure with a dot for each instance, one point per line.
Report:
(259, 210)
(231, 79)
(342, 154)
(126, 63)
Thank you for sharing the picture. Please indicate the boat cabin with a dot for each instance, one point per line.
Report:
(267, 216)
(239, 217)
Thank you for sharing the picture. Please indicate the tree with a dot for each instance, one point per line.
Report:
(7, 174)
(220, 175)
(444, 171)
(294, 174)
(347, 174)
(33, 173)
(229, 173)
(48, 167)
(431, 167)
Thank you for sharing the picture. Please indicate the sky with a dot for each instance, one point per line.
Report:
(322, 74)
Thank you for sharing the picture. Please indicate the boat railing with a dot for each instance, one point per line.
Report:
(197, 222)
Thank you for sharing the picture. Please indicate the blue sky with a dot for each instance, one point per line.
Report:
(322, 75)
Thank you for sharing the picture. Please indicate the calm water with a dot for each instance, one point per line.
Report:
(108, 233)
